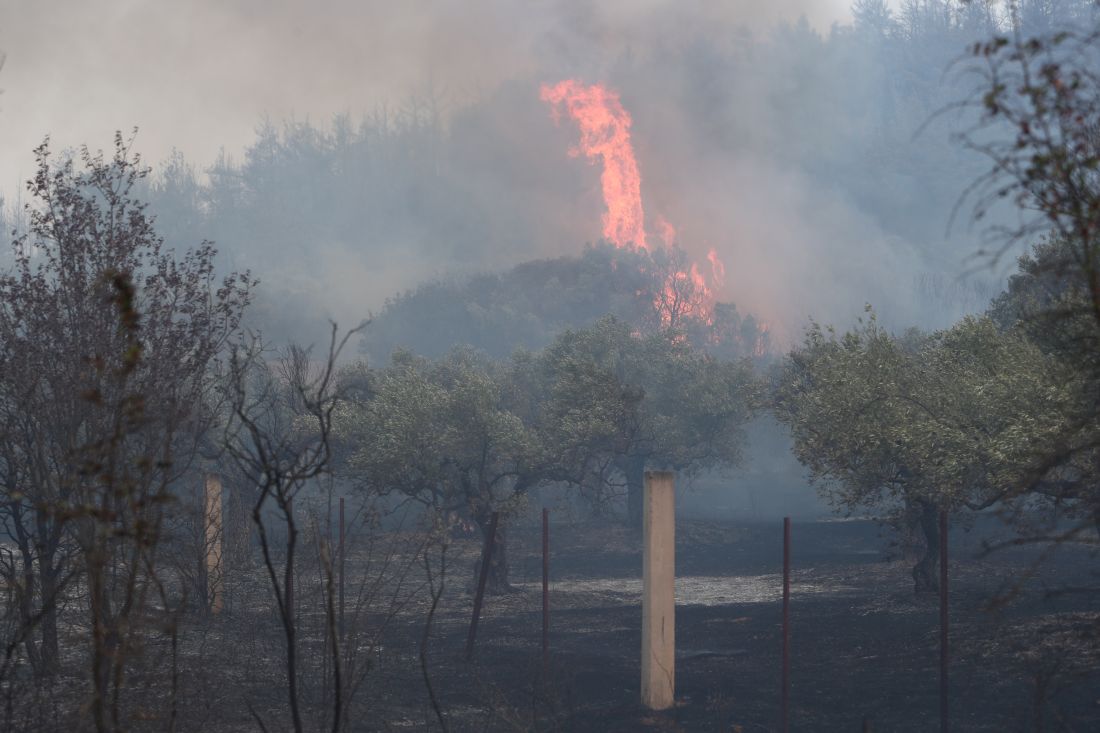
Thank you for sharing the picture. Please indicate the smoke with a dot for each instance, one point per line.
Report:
(198, 75)
(755, 137)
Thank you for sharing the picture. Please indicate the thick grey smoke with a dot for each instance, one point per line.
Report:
(748, 142)
(198, 76)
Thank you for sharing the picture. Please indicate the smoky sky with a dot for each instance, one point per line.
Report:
(200, 76)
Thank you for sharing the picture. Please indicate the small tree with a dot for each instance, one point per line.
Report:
(61, 345)
(648, 401)
(279, 437)
(438, 433)
(1038, 104)
(952, 420)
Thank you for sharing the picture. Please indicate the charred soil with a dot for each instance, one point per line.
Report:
(863, 644)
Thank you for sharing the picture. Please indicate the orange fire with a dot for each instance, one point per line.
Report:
(717, 268)
(666, 231)
(605, 136)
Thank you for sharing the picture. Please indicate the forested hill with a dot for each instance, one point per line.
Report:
(803, 157)
(529, 304)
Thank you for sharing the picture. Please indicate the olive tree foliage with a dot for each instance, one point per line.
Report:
(470, 436)
(107, 348)
(1043, 303)
(663, 403)
(438, 433)
(954, 420)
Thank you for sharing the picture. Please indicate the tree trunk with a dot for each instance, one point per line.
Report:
(50, 650)
(104, 636)
(497, 582)
(25, 594)
(49, 575)
(239, 530)
(926, 572)
(635, 490)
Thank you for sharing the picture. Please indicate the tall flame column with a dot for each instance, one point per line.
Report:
(658, 591)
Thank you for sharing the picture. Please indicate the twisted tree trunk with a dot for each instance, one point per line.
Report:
(497, 581)
(925, 573)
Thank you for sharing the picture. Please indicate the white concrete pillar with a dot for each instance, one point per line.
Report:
(658, 591)
(212, 540)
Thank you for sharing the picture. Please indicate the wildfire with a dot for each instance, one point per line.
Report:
(717, 269)
(666, 231)
(605, 136)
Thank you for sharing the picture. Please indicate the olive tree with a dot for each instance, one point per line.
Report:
(956, 420)
(439, 434)
(464, 434)
(662, 403)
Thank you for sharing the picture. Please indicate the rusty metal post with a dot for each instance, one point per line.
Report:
(486, 555)
(866, 725)
(784, 715)
(943, 623)
(341, 568)
(546, 589)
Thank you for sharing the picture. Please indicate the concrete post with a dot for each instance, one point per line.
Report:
(212, 541)
(658, 591)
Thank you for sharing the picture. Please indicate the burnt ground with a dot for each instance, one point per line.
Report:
(863, 645)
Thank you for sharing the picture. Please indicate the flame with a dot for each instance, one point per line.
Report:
(717, 268)
(760, 348)
(666, 231)
(605, 135)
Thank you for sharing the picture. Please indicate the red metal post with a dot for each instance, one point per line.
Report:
(486, 554)
(786, 683)
(546, 589)
(943, 623)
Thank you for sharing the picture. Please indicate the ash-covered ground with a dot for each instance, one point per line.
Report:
(863, 645)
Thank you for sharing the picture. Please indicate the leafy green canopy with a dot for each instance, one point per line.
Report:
(677, 407)
(961, 418)
(468, 433)
(436, 432)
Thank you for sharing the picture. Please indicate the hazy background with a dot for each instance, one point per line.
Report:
(371, 158)
(198, 75)
(772, 131)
